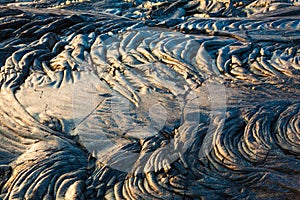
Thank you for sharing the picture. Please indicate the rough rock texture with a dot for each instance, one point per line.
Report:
(150, 100)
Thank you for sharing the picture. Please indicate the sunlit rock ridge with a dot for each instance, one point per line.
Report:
(149, 99)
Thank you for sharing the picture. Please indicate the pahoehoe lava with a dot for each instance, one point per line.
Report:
(150, 99)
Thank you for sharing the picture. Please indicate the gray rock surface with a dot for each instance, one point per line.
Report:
(150, 100)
